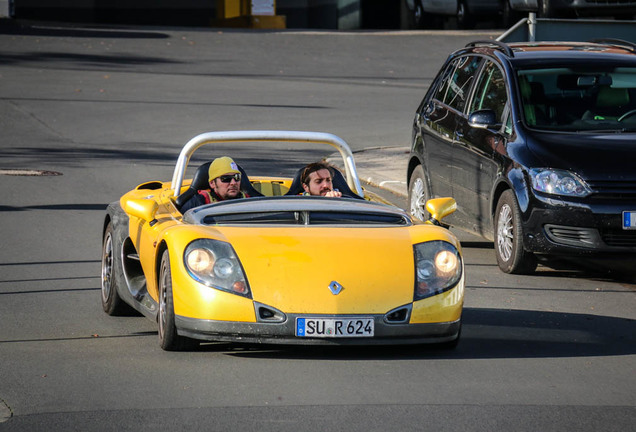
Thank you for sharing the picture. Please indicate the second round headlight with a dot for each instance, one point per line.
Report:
(438, 268)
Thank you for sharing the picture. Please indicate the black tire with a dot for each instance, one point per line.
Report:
(418, 16)
(111, 264)
(419, 194)
(420, 19)
(511, 256)
(169, 339)
(464, 19)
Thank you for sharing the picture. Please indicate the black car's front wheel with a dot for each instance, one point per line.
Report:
(169, 339)
(419, 194)
(511, 256)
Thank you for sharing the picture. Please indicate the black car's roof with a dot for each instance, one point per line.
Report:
(564, 52)
(524, 54)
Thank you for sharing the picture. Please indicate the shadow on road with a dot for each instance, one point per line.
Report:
(14, 27)
(486, 333)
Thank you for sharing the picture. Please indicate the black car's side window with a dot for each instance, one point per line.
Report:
(457, 85)
(490, 92)
(445, 79)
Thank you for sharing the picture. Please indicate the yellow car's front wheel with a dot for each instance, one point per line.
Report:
(169, 339)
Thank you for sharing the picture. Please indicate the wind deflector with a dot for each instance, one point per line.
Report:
(298, 211)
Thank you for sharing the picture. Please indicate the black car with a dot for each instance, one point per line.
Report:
(537, 143)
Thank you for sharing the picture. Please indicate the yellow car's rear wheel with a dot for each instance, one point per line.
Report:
(111, 301)
(169, 339)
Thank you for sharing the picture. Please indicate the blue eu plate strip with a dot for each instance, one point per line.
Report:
(300, 327)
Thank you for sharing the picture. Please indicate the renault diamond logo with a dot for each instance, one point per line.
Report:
(335, 287)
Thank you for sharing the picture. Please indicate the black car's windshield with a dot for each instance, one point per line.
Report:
(581, 99)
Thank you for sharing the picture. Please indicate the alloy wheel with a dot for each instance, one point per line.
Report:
(107, 267)
(505, 232)
(418, 200)
(163, 301)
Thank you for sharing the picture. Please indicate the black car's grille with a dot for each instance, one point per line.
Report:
(622, 238)
(573, 236)
(616, 190)
(590, 237)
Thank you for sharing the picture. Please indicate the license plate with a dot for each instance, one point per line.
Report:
(629, 220)
(334, 327)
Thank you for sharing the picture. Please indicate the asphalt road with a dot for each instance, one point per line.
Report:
(107, 109)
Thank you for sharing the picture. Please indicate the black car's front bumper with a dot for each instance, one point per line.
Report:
(558, 227)
(284, 332)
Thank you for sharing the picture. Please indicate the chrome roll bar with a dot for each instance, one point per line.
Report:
(338, 143)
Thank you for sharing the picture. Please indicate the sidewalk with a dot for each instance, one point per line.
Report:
(383, 167)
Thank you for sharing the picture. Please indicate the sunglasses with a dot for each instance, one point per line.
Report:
(230, 177)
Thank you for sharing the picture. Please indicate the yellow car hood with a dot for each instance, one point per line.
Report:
(291, 268)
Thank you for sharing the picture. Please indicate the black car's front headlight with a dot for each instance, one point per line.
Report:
(215, 264)
(558, 182)
(438, 268)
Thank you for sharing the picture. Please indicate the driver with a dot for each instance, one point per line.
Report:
(317, 179)
(225, 184)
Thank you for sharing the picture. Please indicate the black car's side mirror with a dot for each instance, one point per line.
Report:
(484, 119)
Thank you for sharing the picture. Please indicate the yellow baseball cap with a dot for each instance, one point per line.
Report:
(221, 166)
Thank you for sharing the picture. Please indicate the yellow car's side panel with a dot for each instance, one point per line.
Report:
(195, 300)
(145, 235)
(421, 233)
(445, 307)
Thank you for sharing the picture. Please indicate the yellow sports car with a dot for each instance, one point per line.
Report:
(280, 267)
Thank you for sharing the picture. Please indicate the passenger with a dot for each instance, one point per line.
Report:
(225, 184)
(317, 179)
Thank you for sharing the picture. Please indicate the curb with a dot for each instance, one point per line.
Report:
(382, 167)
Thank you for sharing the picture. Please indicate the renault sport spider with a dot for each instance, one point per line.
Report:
(280, 267)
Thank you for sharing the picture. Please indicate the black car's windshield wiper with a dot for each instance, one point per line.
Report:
(611, 130)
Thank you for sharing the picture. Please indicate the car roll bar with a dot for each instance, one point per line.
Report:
(338, 143)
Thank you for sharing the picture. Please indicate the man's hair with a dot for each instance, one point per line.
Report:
(313, 167)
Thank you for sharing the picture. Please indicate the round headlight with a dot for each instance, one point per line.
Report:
(446, 262)
(223, 268)
(425, 270)
(200, 260)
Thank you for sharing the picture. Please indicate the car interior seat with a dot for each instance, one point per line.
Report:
(338, 181)
(543, 111)
(200, 181)
(533, 98)
(610, 104)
